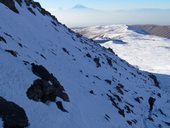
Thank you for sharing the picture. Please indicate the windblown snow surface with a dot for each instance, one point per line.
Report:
(104, 90)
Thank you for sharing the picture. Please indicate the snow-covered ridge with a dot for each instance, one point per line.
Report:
(134, 45)
(104, 91)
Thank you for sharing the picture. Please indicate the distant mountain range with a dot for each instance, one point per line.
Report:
(80, 7)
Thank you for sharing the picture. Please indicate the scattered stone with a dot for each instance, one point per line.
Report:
(167, 123)
(122, 112)
(129, 122)
(60, 106)
(108, 81)
(2, 39)
(109, 61)
(43, 56)
(138, 99)
(20, 45)
(107, 117)
(160, 110)
(88, 55)
(120, 88)
(151, 119)
(13, 53)
(97, 61)
(65, 50)
(92, 92)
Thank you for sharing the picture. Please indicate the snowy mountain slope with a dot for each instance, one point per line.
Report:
(104, 91)
(147, 52)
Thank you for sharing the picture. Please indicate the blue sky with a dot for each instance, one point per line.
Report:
(110, 4)
(133, 11)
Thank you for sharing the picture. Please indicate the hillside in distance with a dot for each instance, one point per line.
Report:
(162, 31)
(53, 77)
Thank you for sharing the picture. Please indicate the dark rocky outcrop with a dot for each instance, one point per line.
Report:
(111, 50)
(19, 2)
(107, 117)
(13, 53)
(12, 115)
(116, 105)
(167, 123)
(2, 39)
(66, 51)
(97, 61)
(60, 106)
(151, 102)
(41, 72)
(129, 122)
(138, 99)
(43, 91)
(108, 81)
(120, 88)
(30, 9)
(88, 55)
(47, 88)
(153, 77)
(10, 4)
(91, 92)
(109, 61)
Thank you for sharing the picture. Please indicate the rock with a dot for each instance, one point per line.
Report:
(88, 55)
(119, 89)
(129, 122)
(65, 50)
(60, 106)
(41, 72)
(111, 50)
(35, 92)
(10, 4)
(47, 88)
(151, 102)
(42, 91)
(153, 77)
(97, 61)
(30, 9)
(2, 39)
(13, 53)
(109, 61)
(167, 123)
(12, 115)
(108, 81)
(91, 92)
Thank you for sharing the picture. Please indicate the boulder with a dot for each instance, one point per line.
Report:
(12, 115)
